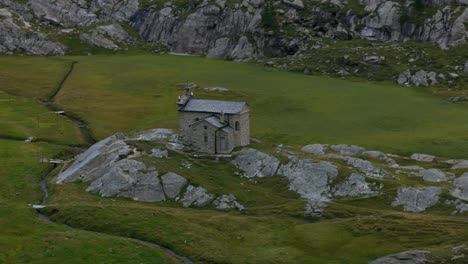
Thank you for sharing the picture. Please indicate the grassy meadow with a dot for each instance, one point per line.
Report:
(133, 92)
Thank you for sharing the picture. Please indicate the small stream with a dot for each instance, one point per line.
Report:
(86, 133)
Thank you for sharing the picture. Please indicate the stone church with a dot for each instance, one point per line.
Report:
(213, 126)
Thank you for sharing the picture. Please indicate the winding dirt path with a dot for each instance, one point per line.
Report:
(86, 133)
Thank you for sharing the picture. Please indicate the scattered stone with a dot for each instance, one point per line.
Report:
(406, 257)
(29, 139)
(461, 187)
(216, 89)
(366, 167)
(354, 185)
(309, 178)
(196, 197)
(314, 208)
(460, 165)
(417, 199)
(422, 157)
(433, 175)
(38, 206)
(154, 134)
(374, 59)
(411, 168)
(227, 202)
(172, 184)
(108, 36)
(374, 154)
(351, 150)
(158, 153)
(254, 163)
(453, 75)
(314, 149)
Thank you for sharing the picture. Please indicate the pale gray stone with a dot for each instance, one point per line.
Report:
(172, 184)
(314, 149)
(463, 164)
(254, 163)
(348, 149)
(196, 197)
(309, 178)
(373, 154)
(159, 153)
(406, 257)
(227, 202)
(433, 175)
(417, 199)
(460, 189)
(354, 185)
(366, 167)
(422, 157)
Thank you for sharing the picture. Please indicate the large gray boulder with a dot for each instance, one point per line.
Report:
(406, 257)
(460, 189)
(354, 185)
(94, 162)
(309, 178)
(173, 184)
(254, 163)
(314, 149)
(463, 164)
(417, 199)
(109, 36)
(196, 197)
(126, 178)
(433, 175)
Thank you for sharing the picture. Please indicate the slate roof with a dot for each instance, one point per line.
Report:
(216, 122)
(213, 106)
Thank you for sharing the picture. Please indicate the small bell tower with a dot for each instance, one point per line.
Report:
(183, 99)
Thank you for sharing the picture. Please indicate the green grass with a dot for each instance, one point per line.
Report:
(124, 93)
(135, 92)
(24, 238)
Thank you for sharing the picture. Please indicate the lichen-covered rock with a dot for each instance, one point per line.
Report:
(172, 184)
(309, 178)
(159, 153)
(315, 149)
(417, 199)
(460, 189)
(406, 257)
(15, 39)
(351, 150)
(108, 36)
(94, 162)
(422, 157)
(314, 208)
(254, 163)
(366, 167)
(463, 164)
(354, 185)
(227, 202)
(126, 178)
(433, 175)
(196, 197)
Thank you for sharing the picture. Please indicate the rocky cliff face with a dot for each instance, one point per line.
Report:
(244, 30)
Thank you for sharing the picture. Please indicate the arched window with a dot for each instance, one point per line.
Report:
(237, 126)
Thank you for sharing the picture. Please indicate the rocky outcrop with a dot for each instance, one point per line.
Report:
(366, 167)
(93, 163)
(463, 164)
(196, 197)
(126, 178)
(354, 185)
(16, 37)
(254, 163)
(422, 157)
(460, 189)
(77, 13)
(419, 78)
(173, 184)
(309, 178)
(315, 149)
(351, 150)
(417, 199)
(109, 36)
(406, 257)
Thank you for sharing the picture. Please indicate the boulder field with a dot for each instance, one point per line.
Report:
(318, 173)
